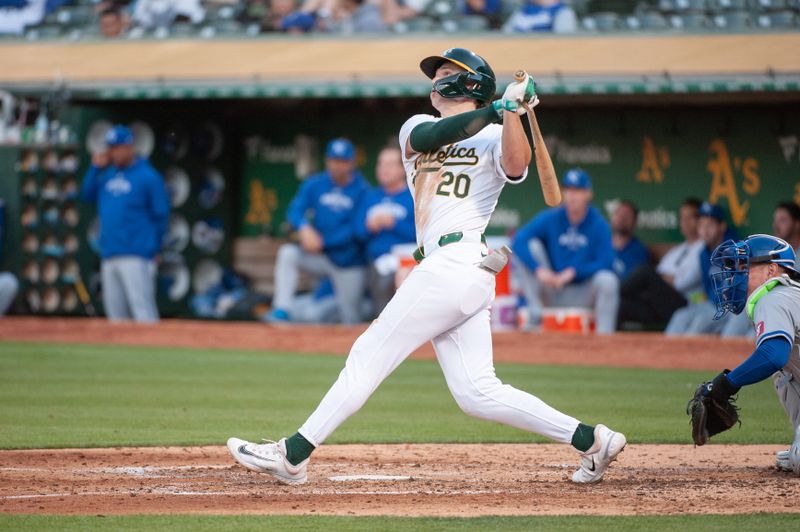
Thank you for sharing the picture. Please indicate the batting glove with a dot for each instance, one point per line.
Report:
(515, 93)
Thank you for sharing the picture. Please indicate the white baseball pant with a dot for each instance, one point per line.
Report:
(445, 299)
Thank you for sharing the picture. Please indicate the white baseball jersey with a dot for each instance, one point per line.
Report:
(456, 187)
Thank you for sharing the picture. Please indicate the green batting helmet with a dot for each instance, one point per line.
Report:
(478, 82)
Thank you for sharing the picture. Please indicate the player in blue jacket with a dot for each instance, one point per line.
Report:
(323, 214)
(565, 258)
(133, 206)
(385, 219)
(757, 278)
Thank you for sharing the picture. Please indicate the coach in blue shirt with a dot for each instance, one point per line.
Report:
(385, 219)
(133, 208)
(565, 259)
(323, 213)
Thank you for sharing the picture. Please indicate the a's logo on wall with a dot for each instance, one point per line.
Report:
(655, 159)
(726, 173)
(263, 202)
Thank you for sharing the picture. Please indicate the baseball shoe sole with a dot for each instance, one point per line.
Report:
(594, 462)
(269, 457)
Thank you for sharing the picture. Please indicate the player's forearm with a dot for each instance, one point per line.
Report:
(516, 150)
(430, 136)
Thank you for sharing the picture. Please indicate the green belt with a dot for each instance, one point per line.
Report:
(449, 238)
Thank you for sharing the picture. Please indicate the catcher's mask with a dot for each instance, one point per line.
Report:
(730, 268)
(477, 83)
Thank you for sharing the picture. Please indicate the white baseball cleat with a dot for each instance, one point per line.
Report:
(782, 460)
(594, 462)
(269, 457)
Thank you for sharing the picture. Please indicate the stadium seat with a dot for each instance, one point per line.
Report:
(778, 19)
(652, 21)
(44, 31)
(441, 9)
(733, 20)
(667, 6)
(228, 28)
(691, 21)
(719, 6)
(419, 24)
(75, 16)
(473, 23)
(602, 22)
(770, 5)
(183, 30)
(691, 6)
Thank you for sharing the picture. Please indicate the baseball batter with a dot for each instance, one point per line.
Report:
(758, 275)
(456, 168)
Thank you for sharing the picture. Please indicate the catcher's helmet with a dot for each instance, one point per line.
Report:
(477, 83)
(731, 262)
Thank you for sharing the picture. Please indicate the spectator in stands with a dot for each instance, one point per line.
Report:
(113, 21)
(8, 291)
(650, 296)
(278, 11)
(337, 16)
(151, 14)
(385, 219)
(542, 16)
(492, 10)
(786, 225)
(15, 16)
(394, 11)
(629, 251)
(565, 259)
(698, 318)
(323, 214)
(133, 207)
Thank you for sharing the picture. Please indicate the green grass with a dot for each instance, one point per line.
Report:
(752, 523)
(83, 396)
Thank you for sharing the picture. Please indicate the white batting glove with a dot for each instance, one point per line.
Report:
(516, 93)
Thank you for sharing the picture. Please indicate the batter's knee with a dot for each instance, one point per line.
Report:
(474, 400)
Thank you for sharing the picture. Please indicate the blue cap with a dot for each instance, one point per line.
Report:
(340, 149)
(577, 178)
(714, 211)
(298, 20)
(119, 135)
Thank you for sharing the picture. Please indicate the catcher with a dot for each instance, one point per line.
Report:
(758, 275)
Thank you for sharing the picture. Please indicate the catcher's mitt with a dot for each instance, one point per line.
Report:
(713, 409)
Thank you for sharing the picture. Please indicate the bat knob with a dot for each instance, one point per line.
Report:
(519, 75)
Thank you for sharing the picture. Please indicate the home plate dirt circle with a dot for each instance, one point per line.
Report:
(415, 480)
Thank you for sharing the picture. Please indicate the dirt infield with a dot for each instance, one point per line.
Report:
(643, 350)
(430, 480)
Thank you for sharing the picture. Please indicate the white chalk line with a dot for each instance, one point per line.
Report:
(182, 493)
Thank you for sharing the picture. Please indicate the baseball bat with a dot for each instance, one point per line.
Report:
(544, 166)
(83, 295)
